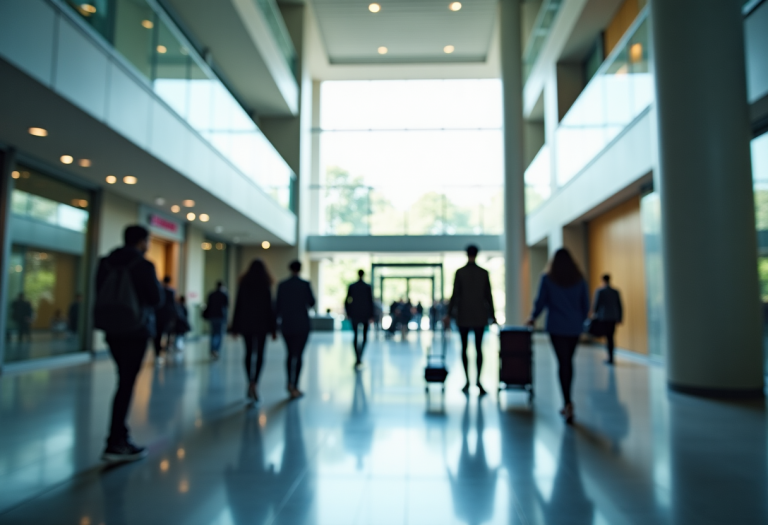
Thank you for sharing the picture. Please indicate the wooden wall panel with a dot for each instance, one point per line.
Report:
(616, 247)
(620, 23)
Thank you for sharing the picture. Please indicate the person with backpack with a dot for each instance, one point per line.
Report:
(165, 315)
(127, 293)
(254, 318)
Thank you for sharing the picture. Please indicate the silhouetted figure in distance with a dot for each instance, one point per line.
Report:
(254, 318)
(216, 310)
(166, 315)
(607, 312)
(294, 299)
(359, 307)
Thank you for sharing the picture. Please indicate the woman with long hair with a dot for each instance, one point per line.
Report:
(254, 318)
(563, 293)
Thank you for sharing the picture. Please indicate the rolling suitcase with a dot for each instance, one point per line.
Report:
(436, 371)
(516, 359)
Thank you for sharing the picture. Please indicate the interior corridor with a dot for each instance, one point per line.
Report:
(370, 447)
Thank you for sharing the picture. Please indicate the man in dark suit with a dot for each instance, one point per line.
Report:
(165, 315)
(608, 312)
(294, 299)
(359, 307)
(216, 310)
(472, 306)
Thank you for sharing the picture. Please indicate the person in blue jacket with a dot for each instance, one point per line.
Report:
(563, 293)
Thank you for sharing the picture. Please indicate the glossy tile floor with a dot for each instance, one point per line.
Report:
(370, 447)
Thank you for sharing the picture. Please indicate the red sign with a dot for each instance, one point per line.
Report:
(163, 224)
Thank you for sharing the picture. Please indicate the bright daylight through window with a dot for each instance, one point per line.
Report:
(415, 157)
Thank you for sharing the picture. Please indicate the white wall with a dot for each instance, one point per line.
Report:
(116, 214)
(194, 269)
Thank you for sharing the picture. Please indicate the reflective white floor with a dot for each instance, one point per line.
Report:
(369, 447)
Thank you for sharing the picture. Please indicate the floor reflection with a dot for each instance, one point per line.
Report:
(358, 428)
(610, 414)
(473, 487)
(568, 494)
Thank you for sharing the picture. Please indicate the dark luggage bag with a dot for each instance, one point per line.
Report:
(516, 359)
(436, 371)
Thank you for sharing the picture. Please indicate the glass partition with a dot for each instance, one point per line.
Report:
(759, 148)
(47, 271)
(280, 33)
(178, 75)
(538, 183)
(617, 94)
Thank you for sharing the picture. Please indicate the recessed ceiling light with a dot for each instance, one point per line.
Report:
(218, 229)
(220, 246)
(84, 163)
(15, 174)
(38, 132)
(175, 208)
(159, 201)
(204, 217)
(207, 246)
(130, 179)
(66, 159)
(374, 8)
(383, 50)
(147, 24)
(190, 216)
(162, 49)
(449, 49)
(454, 6)
(266, 245)
(188, 203)
(111, 179)
(88, 8)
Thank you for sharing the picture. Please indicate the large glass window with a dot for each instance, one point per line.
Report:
(759, 148)
(411, 158)
(47, 272)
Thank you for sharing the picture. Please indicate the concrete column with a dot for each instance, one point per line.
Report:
(7, 164)
(707, 209)
(516, 267)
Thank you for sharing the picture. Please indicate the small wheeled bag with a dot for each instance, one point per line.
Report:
(516, 358)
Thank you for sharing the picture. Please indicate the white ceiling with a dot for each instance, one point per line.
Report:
(413, 31)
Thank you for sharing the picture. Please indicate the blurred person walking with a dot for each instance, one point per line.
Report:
(472, 306)
(127, 293)
(22, 315)
(165, 315)
(216, 310)
(254, 319)
(181, 326)
(359, 307)
(294, 299)
(563, 293)
(607, 312)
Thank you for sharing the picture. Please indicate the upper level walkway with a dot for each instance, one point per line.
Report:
(363, 448)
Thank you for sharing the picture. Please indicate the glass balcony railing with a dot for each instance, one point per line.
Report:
(449, 210)
(279, 32)
(150, 41)
(539, 34)
(538, 180)
(621, 90)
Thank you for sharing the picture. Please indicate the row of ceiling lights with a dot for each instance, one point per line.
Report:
(383, 50)
(128, 179)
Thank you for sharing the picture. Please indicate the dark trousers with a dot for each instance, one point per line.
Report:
(565, 347)
(163, 327)
(355, 329)
(128, 353)
(610, 329)
(295, 344)
(254, 343)
(464, 334)
(217, 333)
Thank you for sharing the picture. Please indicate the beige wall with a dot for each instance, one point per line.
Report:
(194, 268)
(116, 214)
(616, 247)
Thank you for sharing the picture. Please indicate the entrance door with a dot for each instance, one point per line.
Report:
(164, 254)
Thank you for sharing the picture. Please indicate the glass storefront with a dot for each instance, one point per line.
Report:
(759, 148)
(47, 270)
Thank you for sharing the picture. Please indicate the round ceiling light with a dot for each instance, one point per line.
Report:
(383, 50)
(84, 163)
(175, 208)
(111, 179)
(66, 159)
(204, 217)
(266, 245)
(38, 132)
(130, 179)
(147, 24)
(188, 203)
(162, 49)
(449, 49)
(374, 8)
(190, 216)
(454, 6)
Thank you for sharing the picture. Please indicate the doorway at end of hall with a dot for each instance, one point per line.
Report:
(164, 254)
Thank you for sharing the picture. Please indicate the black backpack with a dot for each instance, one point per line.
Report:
(117, 310)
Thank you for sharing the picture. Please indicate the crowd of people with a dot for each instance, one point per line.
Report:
(132, 307)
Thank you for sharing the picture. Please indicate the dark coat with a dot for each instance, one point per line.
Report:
(472, 302)
(148, 289)
(254, 313)
(166, 312)
(608, 305)
(359, 303)
(294, 299)
(217, 305)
